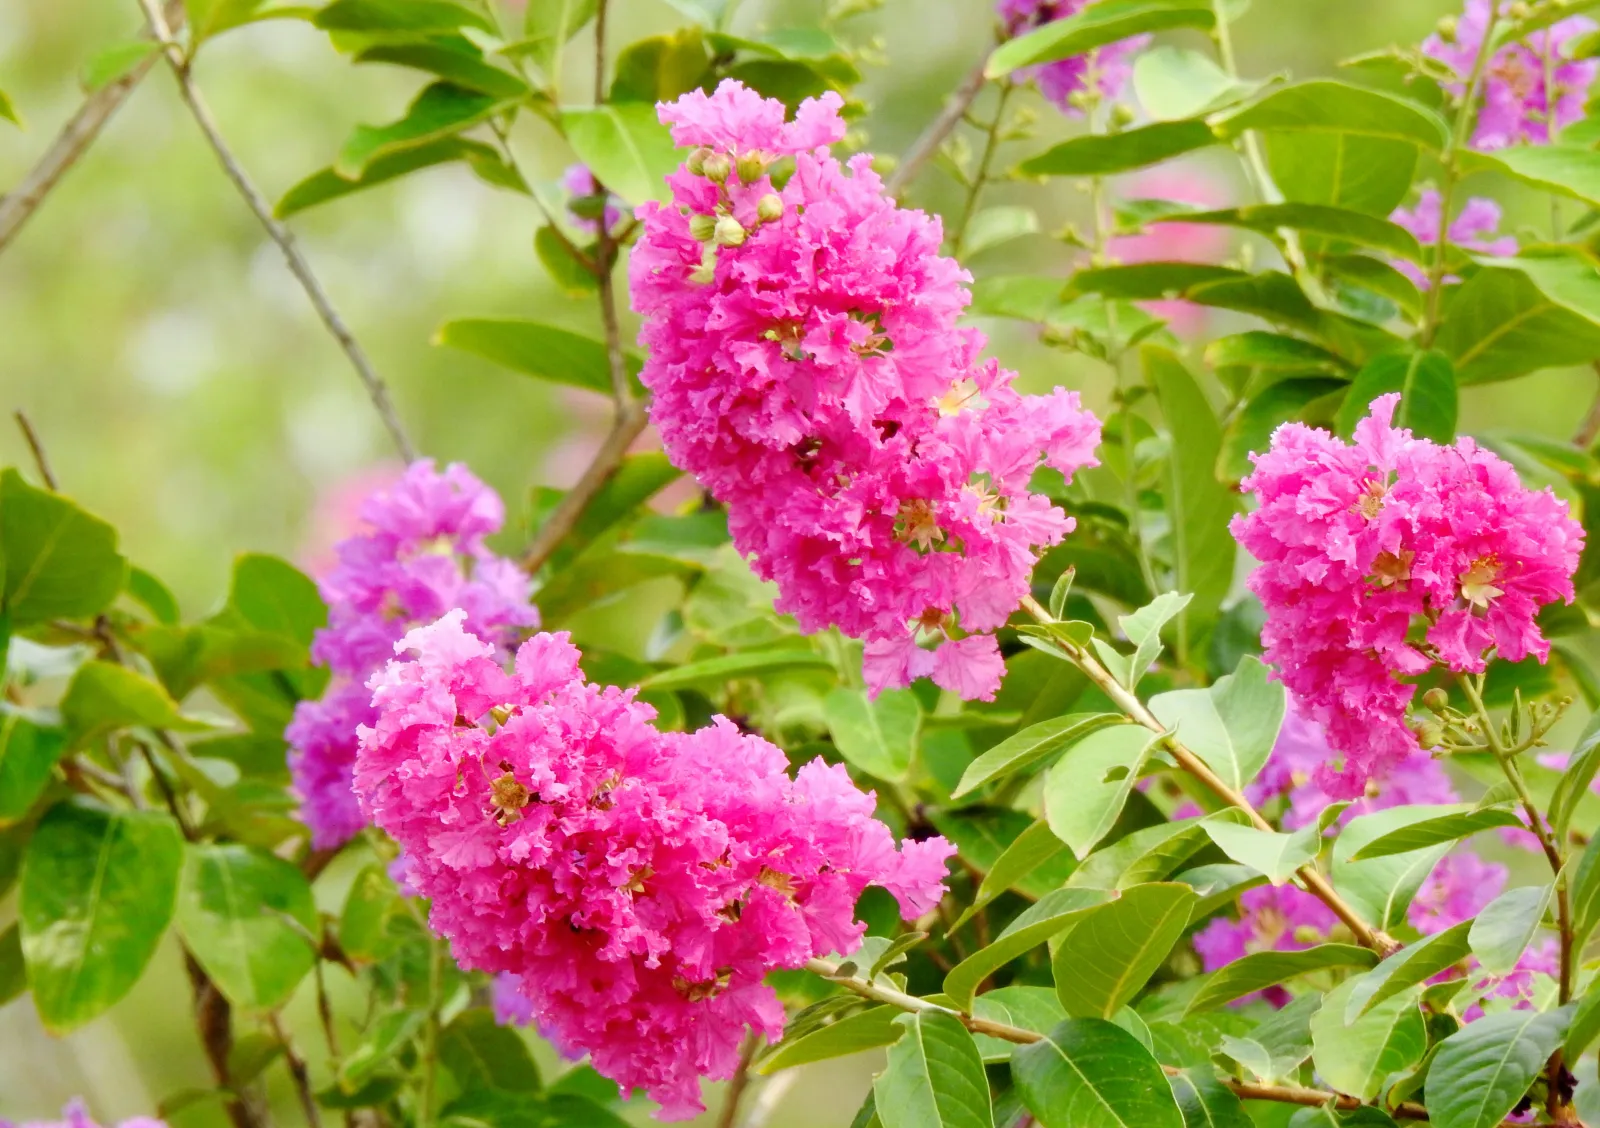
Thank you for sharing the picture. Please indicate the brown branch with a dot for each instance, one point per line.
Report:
(280, 234)
(925, 146)
(630, 421)
(729, 1116)
(213, 1017)
(31, 437)
(298, 1071)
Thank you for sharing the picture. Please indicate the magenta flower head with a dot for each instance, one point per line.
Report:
(419, 553)
(807, 369)
(76, 1115)
(639, 884)
(1526, 82)
(1106, 70)
(1473, 230)
(1358, 540)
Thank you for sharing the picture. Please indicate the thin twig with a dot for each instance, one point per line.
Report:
(280, 234)
(1314, 882)
(31, 436)
(925, 146)
(980, 177)
(298, 1071)
(18, 205)
(729, 1116)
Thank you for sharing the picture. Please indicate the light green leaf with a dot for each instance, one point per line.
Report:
(1506, 926)
(993, 226)
(1503, 322)
(1151, 853)
(1105, 154)
(104, 696)
(232, 907)
(550, 23)
(725, 668)
(59, 561)
(1143, 629)
(207, 18)
(1415, 963)
(934, 1077)
(1035, 849)
(8, 110)
(1585, 895)
(1274, 854)
(117, 61)
(1173, 83)
(482, 1054)
(661, 68)
(864, 1030)
(1482, 1070)
(153, 595)
(1097, 25)
(1031, 1008)
(1567, 170)
(399, 19)
(879, 737)
(1426, 382)
(1585, 1027)
(29, 752)
(1218, 884)
(1273, 352)
(1206, 1102)
(1431, 832)
(1251, 429)
(1358, 1057)
(625, 146)
(1111, 953)
(1089, 1073)
(441, 110)
(1575, 780)
(98, 890)
(1232, 725)
(1364, 272)
(1279, 1042)
(1085, 791)
(1026, 748)
(1380, 889)
(1342, 224)
(1054, 913)
(1347, 170)
(384, 1039)
(455, 60)
(321, 187)
(1260, 970)
(1325, 106)
(536, 349)
(560, 258)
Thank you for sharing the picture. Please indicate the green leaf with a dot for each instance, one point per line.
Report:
(1431, 832)
(1085, 791)
(8, 110)
(864, 1030)
(1105, 154)
(1325, 106)
(1231, 726)
(1199, 504)
(117, 61)
(993, 226)
(273, 595)
(1097, 25)
(1346, 170)
(1426, 382)
(29, 752)
(1567, 170)
(625, 146)
(551, 23)
(566, 270)
(1585, 895)
(1151, 853)
(153, 595)
(661, 68)
(1218, 884)
(441, 110)
(1150, 281)
(384, 1039)
(1206, 1102)
(13, 972)
(104, 696)
(1380, 889)
(1251, 429)
(98, 890)
(636, 480)
(373, 901)
(1416, 963)
(1363, 272)
(727, 667)
(1271, 351)
(879, 737)
(207, 18)
(321, 187)
(1143, 629)
(455, 60)
(1054, 913)
(1089, 1073)
(934, 1077)
(1273, 854)
(1355, 1058)
(59, 561)
(1279, 1042)
(400, 18)
(1259, 970)
(1483, 1070)
(481, 1054)
(185, 657)
(1500, 324)
(232, 907)
(536, 349)
(1026, 748)
(1035, 849)
(1031, 1008)
(1172, 83)
(1506, 926)
(1318, 219)
(1109, 955)
(1574, 783)
(1585, 1027)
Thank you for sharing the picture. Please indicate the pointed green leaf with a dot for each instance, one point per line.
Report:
(1507, 925)
(1149, 854)
(232, 910)
(1085, 791)
(1426, 382)
(1035, 850)
(745, 664)
(536, 349)
(1028, 747)
(104, 696)
(1322, 105)
(1095, 26)
(1483, 1070)
(1432, 832)
(417, 18)
(1358, 1057)
(1415, 963)
(325, 185)
(13, 972)
(1089, 1073)
(1575, 780)
(1206, 1102)
(1053, 914)
(625, 146)
(877, 736)
(60, 562)
(29, 752)
(1106, 154)
(1274, 854)
(1030, 1008)
(1109, 955)
(1503, 323)
(864, 1030)
(934, 1077)
(1567, 170)
(1172, 83)
(1344, 224)
(480, 1054)
(441, 110)
(1259, 970)
(1232, 725)
(1380, 889)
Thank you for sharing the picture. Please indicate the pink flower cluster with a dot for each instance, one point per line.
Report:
(419, 553)
(640, 884)
(807, 368)
(1471, 230)
(76, 1115)
(1356, 541)
(1525, 83)
(1105, 69)
(580, 184)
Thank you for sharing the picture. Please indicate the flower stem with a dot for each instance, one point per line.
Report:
(980, 178)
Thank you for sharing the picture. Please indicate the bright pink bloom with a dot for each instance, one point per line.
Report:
(1457, 890)
(807, 369)
(1356, 541)
(76, 1115)
(1175, 241)
(641, 884)
(419, 552)
(1517, 103)
(1107, 68)
(1271, 918)
(1469, 230)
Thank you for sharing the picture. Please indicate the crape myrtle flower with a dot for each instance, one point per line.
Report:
(1105, 70)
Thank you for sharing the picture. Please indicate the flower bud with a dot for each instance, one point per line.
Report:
(1436, 700)
(1519, 11)
(703, 274)
(729, 232)
(702, 227)
(1447, 27)
(769, 208)
(1430, 734)
(1122, 115)
(716, 167)
(697, 161)
(752, 167)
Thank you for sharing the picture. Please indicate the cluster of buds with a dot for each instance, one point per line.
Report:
(722, 228)
(1452, 730)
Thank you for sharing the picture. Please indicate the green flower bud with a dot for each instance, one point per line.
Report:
(1430, 734)
(752, 167)
(716, 168)
(702, 227)
(697, 161)
(1436, 700)
(769, 208)
(1447, 28)
(1122, 115)
(703, 274)
(729, 232)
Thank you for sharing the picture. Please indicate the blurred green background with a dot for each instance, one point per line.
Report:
(187, 392)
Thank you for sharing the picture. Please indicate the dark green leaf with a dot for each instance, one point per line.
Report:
(1030, 1008)
(1325, 106)
(1104, 154)
(575, 276)
(1095, 26)
(235, 909)
(1503, 322)
(1152, 853)
(1426, 382)
(864, 1030)
(1585, 1027)
(625, 146)
(1149, 281)
(1029, 746)
(1054, 913)
(454, 59)
(1085, 790)
(1506, 926)
(1482, 1070)
(1416, 963)
(13, 972)
(1251, 429)
(59, 561)
(879, 737)
(1319, 219)
(117, 61)
(98, 890)
(1206, 1102)
(636, 480)
(1586, 895)
(1431, 832)
(1363, 272)
(273, 595)
(934, 1077)
(482, 1054)
(29, 752)
(1567, 170)
(727, 667)
(1355, 1058)
(153, 595)
(1260, 970)
(661, 68)
(1035, 851)
(441, 110)
(320, 187)
(536, 349)
(8, 110)
(1093, 1074)
(1110, 954)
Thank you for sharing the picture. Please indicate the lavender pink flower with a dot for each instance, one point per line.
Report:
(1528, 85)
(1471, 230)
(640, 884)
(1105, 70)
(418, 553)
(581, 184)
(808, 370)
(1175, 241)
(76, 1115)
(1356, 541)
